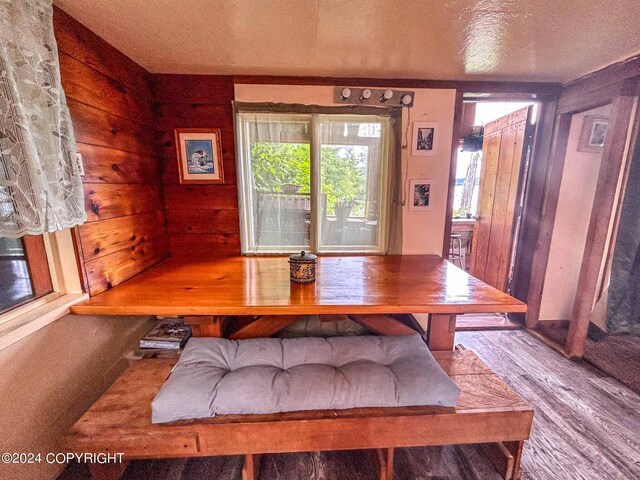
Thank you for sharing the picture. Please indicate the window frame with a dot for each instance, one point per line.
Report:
(315, 119)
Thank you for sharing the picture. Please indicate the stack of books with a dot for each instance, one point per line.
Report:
(168, 335)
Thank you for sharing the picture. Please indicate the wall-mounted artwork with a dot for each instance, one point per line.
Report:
(199, 155)
(425, 139)
(420, 194)
(594, 133)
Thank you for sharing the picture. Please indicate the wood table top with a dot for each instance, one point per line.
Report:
(261, 286)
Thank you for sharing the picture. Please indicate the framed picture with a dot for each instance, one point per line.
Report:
(425, 139)
(594, 132)
(199, 155)
(420, 193)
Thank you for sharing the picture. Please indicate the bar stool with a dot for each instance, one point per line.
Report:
(455, 250)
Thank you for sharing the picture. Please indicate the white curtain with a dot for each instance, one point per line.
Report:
(40, 186)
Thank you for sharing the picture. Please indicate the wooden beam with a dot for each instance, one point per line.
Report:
(264, 326)
(442, 332)
(532, 209)
(455, 145)
(205, 326)
(615, 152)
(538, 88)
(547, 221)
(383, 324)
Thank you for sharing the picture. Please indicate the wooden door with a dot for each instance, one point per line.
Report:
(505, 145)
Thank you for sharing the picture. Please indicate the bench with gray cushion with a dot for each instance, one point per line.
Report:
(217, 376)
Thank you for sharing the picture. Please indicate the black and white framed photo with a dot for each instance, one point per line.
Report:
(594, 132)
(425, 139)
(420, 194)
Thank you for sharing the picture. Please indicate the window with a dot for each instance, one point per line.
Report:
(313, 182)
(24, 271)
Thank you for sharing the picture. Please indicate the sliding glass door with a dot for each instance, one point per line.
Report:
(316, 182)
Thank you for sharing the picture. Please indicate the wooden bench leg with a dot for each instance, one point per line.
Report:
(516, 450)
(107, 471)
(251, 467)
(505, 457)
(385, 463)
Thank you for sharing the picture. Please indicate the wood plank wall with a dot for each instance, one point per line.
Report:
(202, 219)
(112, 108)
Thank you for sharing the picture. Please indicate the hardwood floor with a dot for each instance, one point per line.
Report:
(585, 427)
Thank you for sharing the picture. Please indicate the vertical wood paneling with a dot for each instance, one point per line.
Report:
(112, 108)
(203, 219)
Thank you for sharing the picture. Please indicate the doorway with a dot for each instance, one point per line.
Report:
(491, 170)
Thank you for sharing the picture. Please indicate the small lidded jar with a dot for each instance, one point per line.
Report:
(302, 267)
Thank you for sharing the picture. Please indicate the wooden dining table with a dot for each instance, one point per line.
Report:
(246, 297)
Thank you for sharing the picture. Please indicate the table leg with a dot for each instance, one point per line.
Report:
(205, 326)
(442, 331)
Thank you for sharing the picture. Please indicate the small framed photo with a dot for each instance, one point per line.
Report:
(199, 155)
(420, 192)
(425, 139)
(594, 133)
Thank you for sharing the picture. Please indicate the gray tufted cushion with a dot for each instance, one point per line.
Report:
(268, 375)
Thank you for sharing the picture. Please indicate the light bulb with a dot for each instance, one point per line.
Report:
(366, 94)
(406, 99)
(346, 93)
(387, 95)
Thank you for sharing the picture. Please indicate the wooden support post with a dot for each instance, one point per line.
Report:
(205, 326)
(107, 471)
(251, 467)
(501, 458)
(383, 324)
(515, 448)
(385, 463)
(264, 326)
(442, 332)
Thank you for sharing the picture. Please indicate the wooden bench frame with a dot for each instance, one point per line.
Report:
(488, 412)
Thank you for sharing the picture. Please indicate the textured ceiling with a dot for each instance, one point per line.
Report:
(530, 40)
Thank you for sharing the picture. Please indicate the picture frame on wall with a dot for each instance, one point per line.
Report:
(420, 194)
(594, 133)
(425, 139)
(199, 152)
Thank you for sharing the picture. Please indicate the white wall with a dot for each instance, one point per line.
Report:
(577, 191)
(50, 378)
(423, 232)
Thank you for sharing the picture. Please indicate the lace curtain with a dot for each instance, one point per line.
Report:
(40, 186)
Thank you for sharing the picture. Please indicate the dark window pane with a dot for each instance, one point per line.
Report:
(15, 281)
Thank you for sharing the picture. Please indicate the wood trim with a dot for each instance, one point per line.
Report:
(77, 248)
(461, 85)
(455, 145)
(545, 228)
(532, 210)
(38, 265)
(615, 151)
